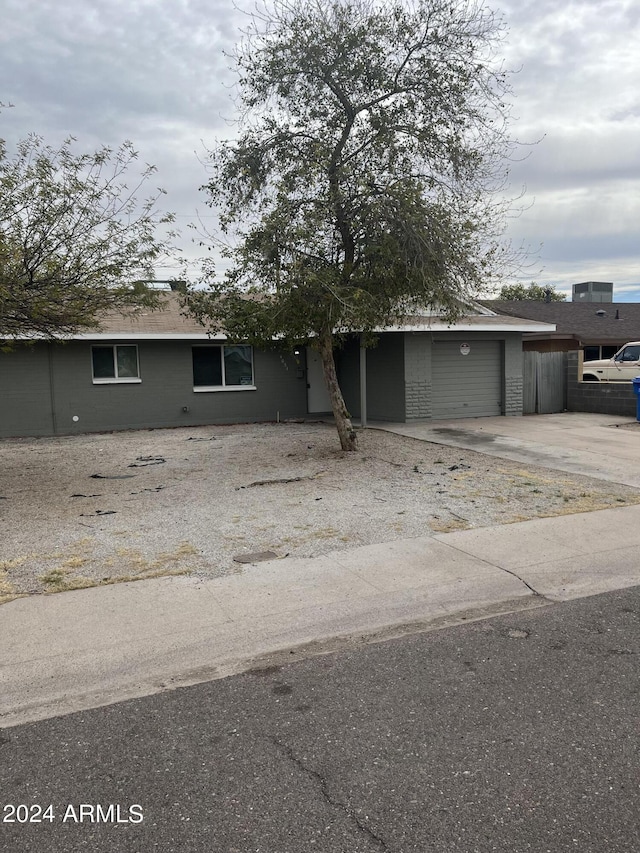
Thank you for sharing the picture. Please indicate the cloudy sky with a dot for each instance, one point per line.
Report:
(154, 72)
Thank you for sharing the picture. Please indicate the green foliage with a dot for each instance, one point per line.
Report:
(364, 183)
(74, 240)
(533, 291)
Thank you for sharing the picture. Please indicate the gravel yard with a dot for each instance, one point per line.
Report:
(90, 509)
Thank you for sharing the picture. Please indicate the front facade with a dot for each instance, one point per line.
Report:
(162, 370)
(87, 386)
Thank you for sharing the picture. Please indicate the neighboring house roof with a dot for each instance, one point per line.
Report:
(583, 321)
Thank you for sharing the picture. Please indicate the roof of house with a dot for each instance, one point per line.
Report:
(584, 321)
(170, 323)
(167, 321)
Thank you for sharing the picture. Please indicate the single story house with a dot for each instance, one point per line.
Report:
(599, 329)
(160, 369)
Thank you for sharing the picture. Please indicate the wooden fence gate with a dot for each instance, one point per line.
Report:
(544, 383)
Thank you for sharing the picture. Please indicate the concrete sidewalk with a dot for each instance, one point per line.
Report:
(90, 647)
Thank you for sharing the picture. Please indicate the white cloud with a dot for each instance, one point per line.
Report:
(577, 92)
(154, 71)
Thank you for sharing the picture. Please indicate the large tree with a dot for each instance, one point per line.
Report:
(532, 292)
(365, 180)
(75, 241)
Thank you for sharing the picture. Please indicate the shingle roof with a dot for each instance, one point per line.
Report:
(619, 323)
(170, 323)
(168, 320)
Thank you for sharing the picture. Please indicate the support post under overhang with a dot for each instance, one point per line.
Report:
(363, 384)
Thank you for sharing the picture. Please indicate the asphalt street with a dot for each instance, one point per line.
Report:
(511, 734)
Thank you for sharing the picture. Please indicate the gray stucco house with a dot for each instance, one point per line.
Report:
(160, 369)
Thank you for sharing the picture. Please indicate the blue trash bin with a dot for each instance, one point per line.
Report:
(636, 391)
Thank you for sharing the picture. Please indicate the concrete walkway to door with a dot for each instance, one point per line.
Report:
(606, 447)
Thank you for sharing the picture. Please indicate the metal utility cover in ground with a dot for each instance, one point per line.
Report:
(255, 557)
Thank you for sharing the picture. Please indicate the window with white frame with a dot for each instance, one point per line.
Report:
(218, 367)
(115, 363)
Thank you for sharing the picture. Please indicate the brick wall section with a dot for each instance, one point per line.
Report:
(417, 373)
(513, 396)
(607, 398)
(513, 375)
(418, 400)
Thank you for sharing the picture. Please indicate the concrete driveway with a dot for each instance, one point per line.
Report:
(606, 447)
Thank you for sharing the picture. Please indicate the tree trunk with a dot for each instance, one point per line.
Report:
(348, 438)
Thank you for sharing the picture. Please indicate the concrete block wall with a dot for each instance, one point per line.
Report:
(513, 396)
(417, 376)
(607, 398)
(47, 389)
(513, 381)
(26, 405)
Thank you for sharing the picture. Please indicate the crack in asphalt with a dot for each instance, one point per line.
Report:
(322, 782)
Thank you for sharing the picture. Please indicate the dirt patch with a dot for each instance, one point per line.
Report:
(86, 510)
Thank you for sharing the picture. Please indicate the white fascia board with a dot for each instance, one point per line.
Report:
(147, 336)
(120, 336)
(470, 327)
(436, 326)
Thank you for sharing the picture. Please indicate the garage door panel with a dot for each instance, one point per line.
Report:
(466, 386)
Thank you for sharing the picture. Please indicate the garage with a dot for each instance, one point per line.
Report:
(466, 379)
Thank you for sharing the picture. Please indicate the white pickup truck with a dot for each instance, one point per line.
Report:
(623, 367)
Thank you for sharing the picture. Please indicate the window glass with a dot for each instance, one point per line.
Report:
(127, 358)
(207, 365)
(103, 364)
(631, 354)
(115, 362)
(609, 352)
(238, 369)
(591, 353)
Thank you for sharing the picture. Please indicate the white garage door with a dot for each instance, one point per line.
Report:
(466, 386)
